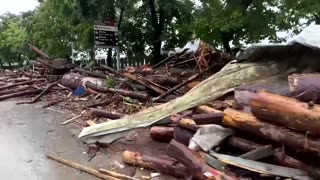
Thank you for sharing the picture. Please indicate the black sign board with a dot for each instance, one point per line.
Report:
(106, 36)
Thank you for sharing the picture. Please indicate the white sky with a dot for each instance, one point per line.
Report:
(16, 6)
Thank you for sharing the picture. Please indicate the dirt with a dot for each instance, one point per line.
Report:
(28, 133)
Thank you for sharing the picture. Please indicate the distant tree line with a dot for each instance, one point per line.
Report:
(149, 28)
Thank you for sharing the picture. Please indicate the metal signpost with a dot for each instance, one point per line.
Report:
(106, 36)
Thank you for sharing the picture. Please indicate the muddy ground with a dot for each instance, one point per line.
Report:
(28, 133)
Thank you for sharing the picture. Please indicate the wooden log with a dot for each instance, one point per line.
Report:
(210, 89)
(206, 109)
(246, 122)
(305, 87)
(163, 165)
(162, 134)
(20, 84)
(195, 164)
(208, 118)
(82, 168)
(117, 175)
(287, 112)
(148, 86)
(278, 156)
(38, 51)
(90, 73)
(182, 135)
(163, 80)
(19, 94)
(11, 91)
(192, 78)
(101, 113)
(132, 94)
(46, 90)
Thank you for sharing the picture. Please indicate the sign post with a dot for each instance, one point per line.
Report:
(106, 35)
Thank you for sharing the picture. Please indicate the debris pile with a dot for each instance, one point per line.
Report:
(220, 118)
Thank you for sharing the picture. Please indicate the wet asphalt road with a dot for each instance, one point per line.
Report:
(27, 134)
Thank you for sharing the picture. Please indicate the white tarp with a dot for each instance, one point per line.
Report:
(310, 36)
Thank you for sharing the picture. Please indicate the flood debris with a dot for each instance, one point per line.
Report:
(220, 117)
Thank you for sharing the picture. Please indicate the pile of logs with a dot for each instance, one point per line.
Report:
(278, 136)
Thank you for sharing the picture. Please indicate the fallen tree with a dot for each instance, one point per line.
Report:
(231, 76)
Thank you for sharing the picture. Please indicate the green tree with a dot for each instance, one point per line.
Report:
(239, 22)
(13, 38)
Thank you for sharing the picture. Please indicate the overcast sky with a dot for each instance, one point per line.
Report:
(16, 6)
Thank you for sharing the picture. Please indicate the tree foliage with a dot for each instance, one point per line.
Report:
(150, 28)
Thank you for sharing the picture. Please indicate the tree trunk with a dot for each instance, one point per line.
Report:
(109, 58)
(165, 165)
(246, 122)
(158, 26)
(287, 112)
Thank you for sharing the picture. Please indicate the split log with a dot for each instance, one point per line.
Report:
(286, 111)
(278, 156)
(208, 118)
(132, 94)
(210, 89)
(246, 122)
(194, 163)
(162, 134)
(19, 94)
(20, 84)
(90, 73)
(305, 87)
(188, 124)
(82, 168)
(163, 165)
(16, 90)
(101, 113)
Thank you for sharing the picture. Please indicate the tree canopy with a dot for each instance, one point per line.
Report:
(150, 28)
